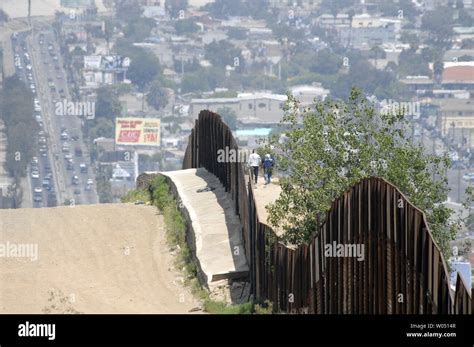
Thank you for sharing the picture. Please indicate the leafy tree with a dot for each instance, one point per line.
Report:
(16, 110)
(363, 75)
(204, 79)
(228, 117)
(186, 26)
(139, 29)
(3, 16)
(336, 6)
(439, 24)
(144, 68)
(186, 65)
(376, 52)
(144, 65)
(101, 127)
(438, 67)
(465, 19)
(332, 145)
(325, 62)
(104, 187)
(108, 105)
(411, 38)
(157, 96)
(128, 10)
(412, 63)
(222, 53)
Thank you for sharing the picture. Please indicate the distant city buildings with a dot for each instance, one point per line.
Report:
(99, 70)
(249, 107)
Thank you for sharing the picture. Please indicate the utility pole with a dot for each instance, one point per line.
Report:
(459, 183)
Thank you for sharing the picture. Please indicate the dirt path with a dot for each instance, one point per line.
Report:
(91, 259)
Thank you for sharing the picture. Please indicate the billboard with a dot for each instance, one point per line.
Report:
(137, 131)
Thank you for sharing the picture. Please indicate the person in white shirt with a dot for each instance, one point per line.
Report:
(254, 163)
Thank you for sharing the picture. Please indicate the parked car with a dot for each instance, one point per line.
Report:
(75, 180)
(468, 176)
(83, 168)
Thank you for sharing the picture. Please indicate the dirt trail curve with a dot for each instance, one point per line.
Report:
(91, 259)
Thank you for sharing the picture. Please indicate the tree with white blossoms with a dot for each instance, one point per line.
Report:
(331, 145)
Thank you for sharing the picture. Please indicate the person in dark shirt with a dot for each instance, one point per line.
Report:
(268, 164)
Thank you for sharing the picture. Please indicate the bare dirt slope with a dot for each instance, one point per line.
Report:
(91, 259)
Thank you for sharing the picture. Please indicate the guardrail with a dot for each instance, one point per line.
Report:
(402, 270)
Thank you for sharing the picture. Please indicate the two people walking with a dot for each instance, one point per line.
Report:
(254, 163)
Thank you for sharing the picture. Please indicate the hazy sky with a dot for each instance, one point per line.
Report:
(19, 8)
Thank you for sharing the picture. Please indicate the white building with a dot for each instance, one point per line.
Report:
(249, 107)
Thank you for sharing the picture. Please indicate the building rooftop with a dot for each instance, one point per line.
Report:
(463, 73)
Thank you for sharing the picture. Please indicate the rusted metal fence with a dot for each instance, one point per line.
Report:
(399, 269)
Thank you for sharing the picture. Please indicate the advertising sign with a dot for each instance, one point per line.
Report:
(137, 131)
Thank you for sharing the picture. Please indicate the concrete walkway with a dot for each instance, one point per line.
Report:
(216, 230)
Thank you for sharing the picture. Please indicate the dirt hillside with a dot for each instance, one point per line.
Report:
(90, 259)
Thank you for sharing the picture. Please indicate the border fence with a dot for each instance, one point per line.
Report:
(402, 270)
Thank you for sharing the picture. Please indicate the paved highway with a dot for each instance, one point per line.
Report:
(67, 144)
(62, 169)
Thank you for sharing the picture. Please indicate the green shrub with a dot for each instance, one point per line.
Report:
(219, 307)
(136, 195)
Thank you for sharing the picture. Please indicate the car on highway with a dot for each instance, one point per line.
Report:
(38, 118)
(90, 181)
(46, 182)
(65, 147)
(468, 176)
(43, 152)
(75, 180)
(47, 168)
(77, 191)
(29, 67)
(35, 174)
(38, 198)
(83, 168)
(78, 151)
(64, 136)
(70, 165)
